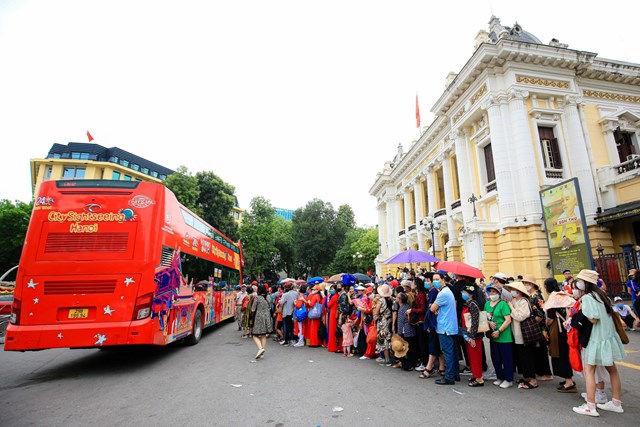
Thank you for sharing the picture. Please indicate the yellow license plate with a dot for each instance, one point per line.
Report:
(78, 313)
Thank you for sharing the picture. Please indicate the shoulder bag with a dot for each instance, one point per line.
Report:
(531, 330)
(316, 311)
(617, 321)
(483, 322)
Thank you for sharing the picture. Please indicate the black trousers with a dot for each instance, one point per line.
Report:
(409, 362)
(288, 328)
(423, 344)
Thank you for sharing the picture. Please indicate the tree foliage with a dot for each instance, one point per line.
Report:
(185, 186)
(14, 221)
(216, 202)
(314, 236)
(258, 236)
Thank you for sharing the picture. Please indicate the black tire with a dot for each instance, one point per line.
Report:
(196, 331)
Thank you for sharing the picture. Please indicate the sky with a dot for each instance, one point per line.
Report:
(288, 100)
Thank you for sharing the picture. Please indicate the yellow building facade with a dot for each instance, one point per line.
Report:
(519, 117)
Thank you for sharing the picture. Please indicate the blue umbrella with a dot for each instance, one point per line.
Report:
(315, 280)
(348, 279)
(409, 257)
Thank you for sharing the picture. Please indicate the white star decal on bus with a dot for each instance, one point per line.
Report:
(101, 339)
(36, 300)
(128, 281)
(108, 310)
(60, 336)
(31, 284)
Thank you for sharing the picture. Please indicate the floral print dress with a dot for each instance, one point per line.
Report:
(383, 318)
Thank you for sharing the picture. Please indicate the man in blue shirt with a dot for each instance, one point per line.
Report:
(447, 329)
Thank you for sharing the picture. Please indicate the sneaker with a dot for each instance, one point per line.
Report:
(379, 359)
(600, 397)
(584, 410)
(609, 406)
(465, 371)
(497, 382)
(260, 353)
(299, 344)
(364, 358)
(420, 368)
(283, 342)
(388, 363)
(506, 384)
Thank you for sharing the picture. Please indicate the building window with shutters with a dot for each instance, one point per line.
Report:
(551, 158)
(490, 171)
(626, 145)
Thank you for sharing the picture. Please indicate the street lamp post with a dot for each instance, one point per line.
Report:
(431, 225)
(356, 259)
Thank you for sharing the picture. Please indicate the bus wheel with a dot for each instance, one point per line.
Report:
(196, 332)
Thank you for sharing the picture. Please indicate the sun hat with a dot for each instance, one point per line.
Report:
(501, 276)
(360, 288)
(518, 286)
(399, 346)
(384, 290)
(530, 278)
(496, 287)
(617, 299)
(406, 283)
(588, 276)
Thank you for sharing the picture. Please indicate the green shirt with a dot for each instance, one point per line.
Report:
(497, 314)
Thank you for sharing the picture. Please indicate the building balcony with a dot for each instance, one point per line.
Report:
(401, 233)
(492, 186)
(553, 173)
(456, 204)
(632, 163)
(440, 212)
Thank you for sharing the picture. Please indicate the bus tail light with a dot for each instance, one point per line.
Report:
(143, 307)
(15, 312)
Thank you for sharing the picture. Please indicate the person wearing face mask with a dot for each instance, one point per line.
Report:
(313, 325)
(540, 351)
(499, 316)
(627, 315)
(434, 285)
(520, 311)
(447, 329)
(472, 337)
(332, 320)
(604, 347)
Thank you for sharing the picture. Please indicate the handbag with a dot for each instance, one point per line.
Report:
(316, 311)
(617, 321)
(483, 322)
(301, 313)
(531, 330)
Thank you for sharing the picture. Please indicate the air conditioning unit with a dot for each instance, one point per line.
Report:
(633, 157)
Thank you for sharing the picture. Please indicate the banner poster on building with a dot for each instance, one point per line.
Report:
(566, 228)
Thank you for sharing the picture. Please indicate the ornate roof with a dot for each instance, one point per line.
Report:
(498, 31)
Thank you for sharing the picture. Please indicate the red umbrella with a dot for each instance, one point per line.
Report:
(460, 268)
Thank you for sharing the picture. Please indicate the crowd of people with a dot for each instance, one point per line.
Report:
(436, 323)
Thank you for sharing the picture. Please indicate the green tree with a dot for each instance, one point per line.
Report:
(14, 221)
(258, 236)
(215, 203)
(364, 241)
(314, 237)
(345, 221)
(185, 186)
(284, 259)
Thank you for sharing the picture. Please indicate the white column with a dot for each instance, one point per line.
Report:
(579, 157)
(431, 193)
(500, 149)
(407, 216)
(528, 194)
(397, 213)
(419, 211)
(464, 176)
(382, 232)
(390, 227)
(448, 200)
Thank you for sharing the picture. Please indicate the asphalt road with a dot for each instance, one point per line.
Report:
(217, 382)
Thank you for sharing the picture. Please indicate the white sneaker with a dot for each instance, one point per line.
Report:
(300, 343)
(506, 384)
(584, 410)
(600, 398)
(420, 368)
(379, 359)
(609, 406)
(497, 382)
(364, 358)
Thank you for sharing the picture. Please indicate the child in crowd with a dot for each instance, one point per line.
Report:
(347, 337)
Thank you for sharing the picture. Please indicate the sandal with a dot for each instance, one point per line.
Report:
(428, 373)
(527, 385)
(475, 383)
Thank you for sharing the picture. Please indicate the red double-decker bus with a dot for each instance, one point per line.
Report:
(108, 263)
